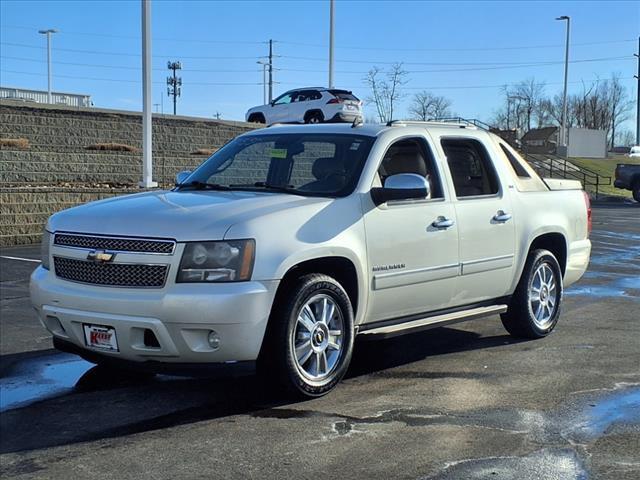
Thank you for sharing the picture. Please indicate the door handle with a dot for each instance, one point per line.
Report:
(502, 216)
(442, 222)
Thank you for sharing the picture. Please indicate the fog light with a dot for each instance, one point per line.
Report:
(214, 339)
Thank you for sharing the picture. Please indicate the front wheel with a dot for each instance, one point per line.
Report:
(310, 342)
(535, 305)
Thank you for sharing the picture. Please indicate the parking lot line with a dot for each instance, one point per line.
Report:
(20, 258)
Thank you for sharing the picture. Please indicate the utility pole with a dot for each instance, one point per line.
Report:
(270, 70)
(637, 55)
(563, 137)
(174, 83)
(331, 6)
(147, 159)
(48, 33)
(264, 80)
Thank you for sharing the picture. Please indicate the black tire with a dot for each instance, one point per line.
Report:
(520, 320)
(314, 117)
(277, 363)
(256, 118)
(635, 188)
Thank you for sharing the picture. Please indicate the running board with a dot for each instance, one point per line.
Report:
(388, 331)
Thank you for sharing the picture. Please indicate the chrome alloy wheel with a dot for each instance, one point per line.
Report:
(318, 336)
(543, 296)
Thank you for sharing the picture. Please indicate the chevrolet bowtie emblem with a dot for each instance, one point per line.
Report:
(100, 256)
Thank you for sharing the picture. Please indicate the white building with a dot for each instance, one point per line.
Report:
(41, 96)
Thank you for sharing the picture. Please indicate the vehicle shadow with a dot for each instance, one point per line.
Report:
(105, 403)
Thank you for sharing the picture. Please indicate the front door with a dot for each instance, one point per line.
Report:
(412, 245)
(280, 110)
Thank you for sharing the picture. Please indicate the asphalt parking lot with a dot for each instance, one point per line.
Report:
(459, 402)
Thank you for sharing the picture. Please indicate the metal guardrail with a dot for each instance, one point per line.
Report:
(553, 166)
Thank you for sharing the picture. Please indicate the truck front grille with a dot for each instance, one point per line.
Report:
(118, 244)
(111, 274)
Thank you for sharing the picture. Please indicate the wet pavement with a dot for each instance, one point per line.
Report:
(452, 403)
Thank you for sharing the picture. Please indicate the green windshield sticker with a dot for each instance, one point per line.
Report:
(278, 153)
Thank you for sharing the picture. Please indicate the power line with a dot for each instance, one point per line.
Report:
(502, 85)
(122, 54)
(493, 65)
(134, 37)
(124, 67)
(448, 87)
(475, 69)
(123, 80)
(343, 47)
(374, 62)
(461, 49)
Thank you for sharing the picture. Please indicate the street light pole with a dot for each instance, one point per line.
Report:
(563, 138)
(147, 160)
(638, 96)
(264, 80)
(48, 33)
(331, 6)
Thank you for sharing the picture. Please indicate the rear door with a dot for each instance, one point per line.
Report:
(305, 101)
(486, 229)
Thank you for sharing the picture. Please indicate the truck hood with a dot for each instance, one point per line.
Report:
(183, 216)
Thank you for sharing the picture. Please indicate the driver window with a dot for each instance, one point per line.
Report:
(411, 156)
(284, 99)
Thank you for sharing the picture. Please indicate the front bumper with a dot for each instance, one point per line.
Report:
(180, 316)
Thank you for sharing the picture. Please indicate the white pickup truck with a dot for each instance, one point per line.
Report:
(290, 241)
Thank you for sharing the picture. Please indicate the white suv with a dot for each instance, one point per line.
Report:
(309, 105)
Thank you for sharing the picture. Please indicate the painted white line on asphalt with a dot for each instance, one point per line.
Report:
(19, 258)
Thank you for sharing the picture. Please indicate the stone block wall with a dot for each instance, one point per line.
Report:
(57, 170)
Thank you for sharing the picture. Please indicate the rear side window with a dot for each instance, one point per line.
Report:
(515, 163)
(344, 95)
(308, 95)
(471, 168)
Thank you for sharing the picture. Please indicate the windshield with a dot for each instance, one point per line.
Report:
(304, 164)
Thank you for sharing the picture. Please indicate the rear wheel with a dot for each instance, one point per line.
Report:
(256, 118)
(535, 305)
(314, 117)
(636, 190)
(310, 340)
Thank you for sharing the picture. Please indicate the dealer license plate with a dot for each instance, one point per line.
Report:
(100, 336)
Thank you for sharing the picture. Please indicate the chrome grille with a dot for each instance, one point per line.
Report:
(111, 274)
(117, 244)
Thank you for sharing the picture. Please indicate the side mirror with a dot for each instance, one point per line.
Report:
(182, 176)
(403, 186)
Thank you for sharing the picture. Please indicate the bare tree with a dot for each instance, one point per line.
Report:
(529, 93)
(386, 89)
(426, 106)
(619, 104)
(523, 103)
(625, 138)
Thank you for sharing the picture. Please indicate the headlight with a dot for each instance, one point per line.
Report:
(44, 249)
(224, 261)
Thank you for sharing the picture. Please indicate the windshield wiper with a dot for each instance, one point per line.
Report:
(268, 186)
(198, 185)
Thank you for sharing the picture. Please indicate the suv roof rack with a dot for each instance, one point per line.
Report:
(454, 122)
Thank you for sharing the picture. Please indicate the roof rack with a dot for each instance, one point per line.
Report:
(458, 122)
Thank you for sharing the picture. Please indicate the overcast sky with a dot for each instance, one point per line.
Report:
(462, 50)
